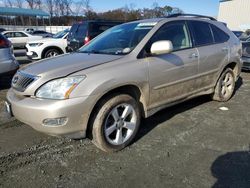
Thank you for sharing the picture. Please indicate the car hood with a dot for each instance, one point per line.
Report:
(44, 40)
(64, 65)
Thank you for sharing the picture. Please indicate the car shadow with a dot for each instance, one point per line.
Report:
(232, 170)
(153, 121)
(238, 84)
(5, 82)
(150, 123)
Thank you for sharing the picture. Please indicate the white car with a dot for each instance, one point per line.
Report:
(48, 47)
(20, 38)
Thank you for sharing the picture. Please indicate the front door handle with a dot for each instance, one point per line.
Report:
(193, 55)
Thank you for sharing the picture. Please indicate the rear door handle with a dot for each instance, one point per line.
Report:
(193, 55)
(225, 49)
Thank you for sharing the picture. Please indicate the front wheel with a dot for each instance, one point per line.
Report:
(225, 86)
(116, 123)
(51, 53)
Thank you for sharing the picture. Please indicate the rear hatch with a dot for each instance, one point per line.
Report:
(82, 33)
(76, 36)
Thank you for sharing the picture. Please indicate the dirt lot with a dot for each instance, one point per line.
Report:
(194, 144)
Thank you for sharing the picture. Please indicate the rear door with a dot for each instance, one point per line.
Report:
(11, 37)
(171, 76)
(213, 49)
(20, 39)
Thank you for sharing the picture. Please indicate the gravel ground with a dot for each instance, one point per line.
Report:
(193, 144)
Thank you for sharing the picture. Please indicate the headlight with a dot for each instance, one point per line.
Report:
(35, 44)
(59, 88)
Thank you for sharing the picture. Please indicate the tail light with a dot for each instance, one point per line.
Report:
(86, 40)
(4, 43)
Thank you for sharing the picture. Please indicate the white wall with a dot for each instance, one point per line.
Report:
(51, 29)
(236, 13)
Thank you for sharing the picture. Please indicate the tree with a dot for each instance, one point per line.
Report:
(78, 6)
(8, 3)
(19, 3)
(50, 6)
(87, 9)
(31, 3)
(38, 4)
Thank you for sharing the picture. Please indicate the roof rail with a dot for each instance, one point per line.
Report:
(191, 15)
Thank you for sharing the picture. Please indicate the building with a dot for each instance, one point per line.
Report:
(235, 13)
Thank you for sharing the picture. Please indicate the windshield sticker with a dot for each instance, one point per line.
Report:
(147, 24)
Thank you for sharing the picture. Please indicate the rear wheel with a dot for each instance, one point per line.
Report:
(51, 53)
(225, 86)
(116, 123)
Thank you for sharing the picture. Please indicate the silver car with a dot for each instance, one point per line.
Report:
(8, 64)
(130, 71)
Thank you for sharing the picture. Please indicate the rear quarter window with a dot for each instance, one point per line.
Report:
(219, 35)
(74, 30)
(202, 33)
(97, 28)
(81, 31)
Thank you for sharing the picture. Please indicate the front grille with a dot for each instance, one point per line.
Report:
(22, 80)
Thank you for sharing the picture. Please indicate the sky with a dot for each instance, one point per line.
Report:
(205, 7)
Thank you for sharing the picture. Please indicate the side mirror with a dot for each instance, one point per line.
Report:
(161, 47)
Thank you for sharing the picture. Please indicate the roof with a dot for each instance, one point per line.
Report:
(22, 12)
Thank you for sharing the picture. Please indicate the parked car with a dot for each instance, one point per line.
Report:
(48, 47)
(246, 55)
(2, 29)
(42, 33)
(81, 33)
(8, 64)
(29, 30)
(238, 33)
(132, 70)
(20, 38)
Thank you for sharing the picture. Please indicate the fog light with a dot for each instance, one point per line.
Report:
(55, 122)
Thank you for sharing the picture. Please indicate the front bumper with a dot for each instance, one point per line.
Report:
(33, 112)
(33, 53)
(246, 63)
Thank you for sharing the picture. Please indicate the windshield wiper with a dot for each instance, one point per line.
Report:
(90, 52)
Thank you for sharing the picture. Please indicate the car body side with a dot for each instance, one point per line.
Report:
(59, 44)
(131, 74)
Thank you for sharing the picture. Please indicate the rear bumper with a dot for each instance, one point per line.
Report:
(10, 73)
(33, 112)
(246, 63)
(9, 67)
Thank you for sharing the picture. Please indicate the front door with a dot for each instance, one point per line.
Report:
(171, 76)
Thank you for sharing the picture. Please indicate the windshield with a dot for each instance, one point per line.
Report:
(119, 40)
(60, 34)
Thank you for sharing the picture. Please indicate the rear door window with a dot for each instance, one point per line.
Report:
(202, 33)
(219, 35)
(19, 34)
(9, 35)
(81, 31)
(73, 30)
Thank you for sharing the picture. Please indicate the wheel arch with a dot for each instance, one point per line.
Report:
(130, 89)
(51, 47)
(235, 67)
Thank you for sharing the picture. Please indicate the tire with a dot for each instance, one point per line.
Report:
(51, 53)
(225, 86)
(116, 123)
